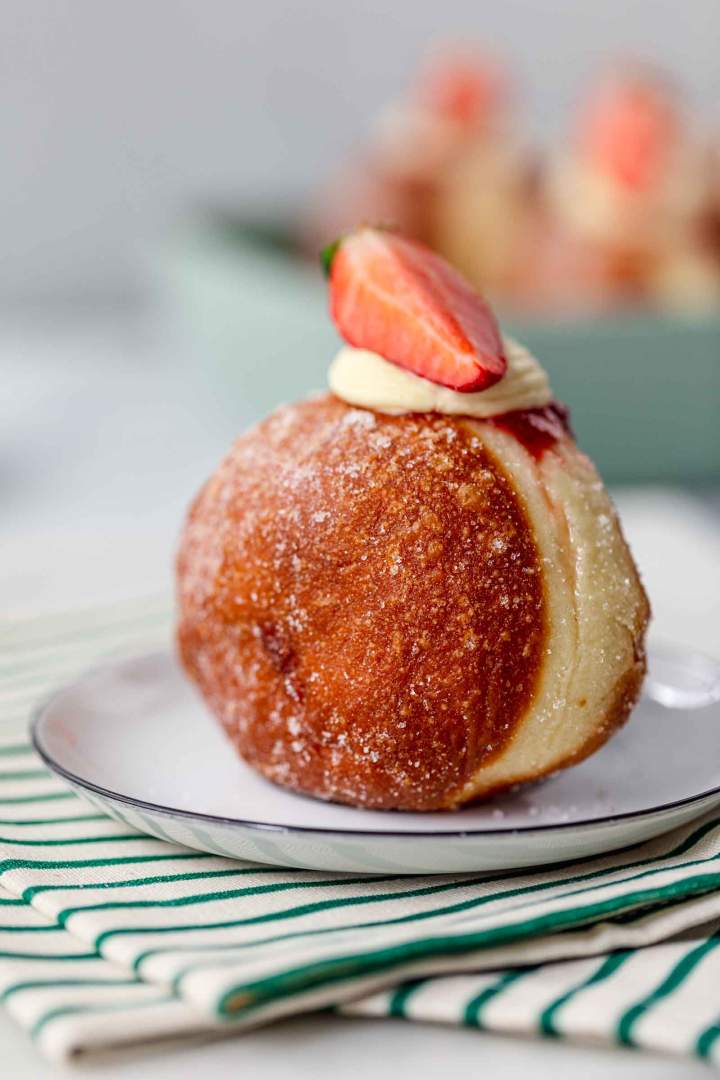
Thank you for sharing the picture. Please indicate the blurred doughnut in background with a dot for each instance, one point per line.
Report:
(624, 212)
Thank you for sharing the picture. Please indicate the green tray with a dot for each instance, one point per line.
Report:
(644, 390)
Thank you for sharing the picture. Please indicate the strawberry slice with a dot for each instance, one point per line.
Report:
(399, 299)
(462, 86)
(629, 129)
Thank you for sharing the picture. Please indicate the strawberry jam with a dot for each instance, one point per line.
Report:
(537, 429)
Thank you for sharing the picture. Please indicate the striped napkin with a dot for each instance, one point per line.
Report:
(109, 937)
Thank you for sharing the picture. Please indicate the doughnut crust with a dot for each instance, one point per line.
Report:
(408, 612)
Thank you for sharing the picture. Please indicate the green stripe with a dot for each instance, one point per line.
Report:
(24, 774)
(277, 938)
(52, 797)
(675, 978)
(11, 902)
(48, 956)
(43, 984)
(234, 947)
(83, 1010)
(54, 820)
(707, 1040)
(49, 929)
(33, 890)
(324, 905)
(71, 841)
(340, 968)
(72, 864)
(472, 1014)
(607, 968)
(453, 908)
(209, 897)
(394, 895)
(15, 748)
(401, 996)
(308, 909)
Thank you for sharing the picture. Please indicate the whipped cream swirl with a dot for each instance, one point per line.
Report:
(363, 378)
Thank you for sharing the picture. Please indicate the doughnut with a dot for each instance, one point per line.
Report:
(412, 610)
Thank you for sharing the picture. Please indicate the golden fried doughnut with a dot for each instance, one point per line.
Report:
(410, 611)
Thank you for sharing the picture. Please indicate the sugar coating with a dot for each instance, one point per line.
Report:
(361, 603)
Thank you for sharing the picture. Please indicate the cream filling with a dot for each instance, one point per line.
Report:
(363, 378)
(596, 613)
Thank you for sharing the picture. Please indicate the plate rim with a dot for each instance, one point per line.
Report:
(41, 710)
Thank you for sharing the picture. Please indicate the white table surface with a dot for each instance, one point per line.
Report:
(106, 429)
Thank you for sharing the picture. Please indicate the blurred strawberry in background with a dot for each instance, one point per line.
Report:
(626, 212)
(631, 185)
(440, 165)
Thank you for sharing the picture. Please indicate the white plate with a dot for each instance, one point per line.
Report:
(134, 739)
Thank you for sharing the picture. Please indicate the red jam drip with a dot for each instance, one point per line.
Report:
(537, 429)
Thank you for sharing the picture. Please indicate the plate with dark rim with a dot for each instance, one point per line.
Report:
(135, 740)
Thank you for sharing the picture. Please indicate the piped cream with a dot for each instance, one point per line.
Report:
(364, 379)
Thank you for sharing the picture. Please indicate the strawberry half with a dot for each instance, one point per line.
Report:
(462, 86)
(397, 298)
(629, 130)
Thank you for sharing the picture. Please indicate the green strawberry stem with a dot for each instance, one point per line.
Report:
(328, 254)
